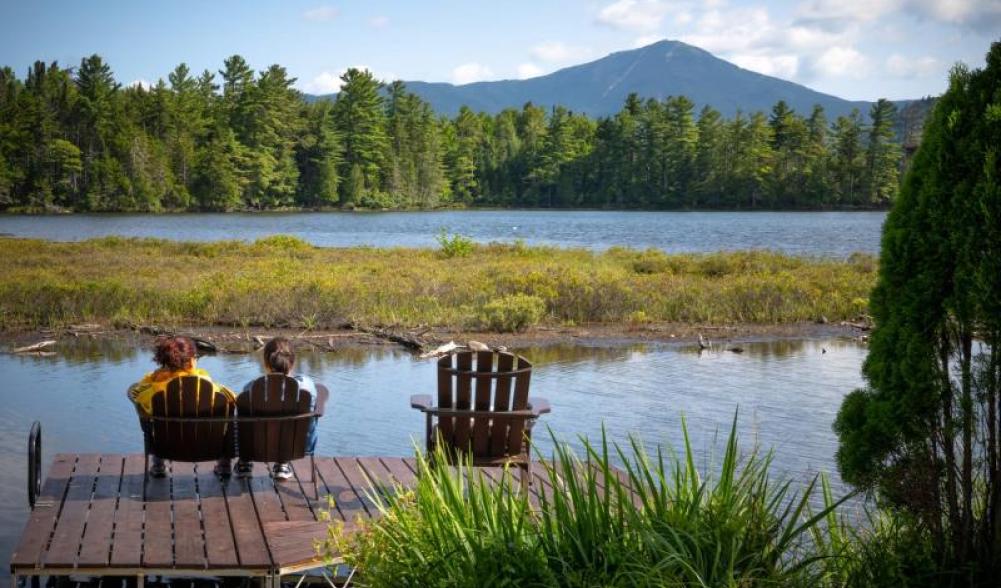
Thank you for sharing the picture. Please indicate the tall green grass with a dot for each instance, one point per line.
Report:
(282, 281)
(659, 521)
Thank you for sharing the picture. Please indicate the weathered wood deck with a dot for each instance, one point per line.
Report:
(92, 519)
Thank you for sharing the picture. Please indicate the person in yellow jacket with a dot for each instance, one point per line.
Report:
(176, 357)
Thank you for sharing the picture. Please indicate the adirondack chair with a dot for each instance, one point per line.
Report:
(483, 410)
(191, 421)
(273, 421)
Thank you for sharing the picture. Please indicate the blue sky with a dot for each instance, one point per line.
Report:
(857, 49)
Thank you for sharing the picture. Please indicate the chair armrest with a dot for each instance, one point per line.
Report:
(421, 402)
(322, 394)
(539, 406)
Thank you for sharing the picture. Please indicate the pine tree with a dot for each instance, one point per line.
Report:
(926, 431)
(361, 123)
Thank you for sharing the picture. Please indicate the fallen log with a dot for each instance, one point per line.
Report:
(34, 347)
(411, 342)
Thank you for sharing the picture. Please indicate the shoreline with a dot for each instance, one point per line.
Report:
(231, 340)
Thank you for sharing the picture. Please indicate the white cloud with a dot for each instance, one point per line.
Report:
(783, 66)
(329, 82)
(468, 73)
(379, 22)
(140, 83)
(842, 62)
(321, 13)
(556, 52)
(634, 15)
(982, 15)
(325, 83)
(528, 70)
(841, 13)
(902, 67)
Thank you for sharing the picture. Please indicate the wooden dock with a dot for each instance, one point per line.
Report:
(91, 518)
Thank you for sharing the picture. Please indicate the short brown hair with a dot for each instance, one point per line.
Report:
(278, 355)
(174, 353)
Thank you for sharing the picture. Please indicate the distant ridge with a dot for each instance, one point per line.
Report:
(665, 68)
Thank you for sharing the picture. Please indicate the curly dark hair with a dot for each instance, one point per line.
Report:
(174, 353)
(278, 355)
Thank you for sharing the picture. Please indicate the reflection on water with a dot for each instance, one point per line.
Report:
(788, 393)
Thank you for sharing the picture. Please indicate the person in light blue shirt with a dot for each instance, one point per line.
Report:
(279, 358)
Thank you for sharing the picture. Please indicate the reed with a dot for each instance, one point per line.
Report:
(662, 523)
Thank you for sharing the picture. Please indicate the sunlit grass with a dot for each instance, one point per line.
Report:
(283, 281)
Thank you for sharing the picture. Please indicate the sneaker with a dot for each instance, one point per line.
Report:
(157, 469)
(282, 471)
(223, 469)
(244, 469)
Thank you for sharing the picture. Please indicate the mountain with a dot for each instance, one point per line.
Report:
(665, 68)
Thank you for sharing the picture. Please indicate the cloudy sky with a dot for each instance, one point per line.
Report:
(856, 49)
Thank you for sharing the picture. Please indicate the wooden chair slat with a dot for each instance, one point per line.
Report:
(502, 403)
(481, 426)
(516, 428)
(445, 425)
(274, 395)
(463, 400)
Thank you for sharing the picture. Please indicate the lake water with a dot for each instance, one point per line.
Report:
(836, 234)
(787, 391)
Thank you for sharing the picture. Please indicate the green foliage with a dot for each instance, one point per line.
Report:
(924, 434)
(75, 139)
(455, 245)
(734, 527)
(280, 279)
(514, 313)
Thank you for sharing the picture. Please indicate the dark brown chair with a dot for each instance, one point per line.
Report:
(273, 421)
(483, 410)
(191, 421)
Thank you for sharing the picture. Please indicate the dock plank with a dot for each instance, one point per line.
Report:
(158, 533)
(266, 501)
(251, 549)
(220, 544)
(37, 531)
(92, 514)
(297, 494)
(65, 546)
(189, 536)
(347, 505)
(355, 476)
(127, 546)
(96, 545)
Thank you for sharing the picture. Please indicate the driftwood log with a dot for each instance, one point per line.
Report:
(34, 347)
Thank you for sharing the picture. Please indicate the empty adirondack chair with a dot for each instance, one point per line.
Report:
(191, 421)
(273, 421)
(483, 410)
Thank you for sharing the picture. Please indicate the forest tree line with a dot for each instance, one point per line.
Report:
(75, 139)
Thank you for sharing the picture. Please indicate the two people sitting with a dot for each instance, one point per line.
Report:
(177, 356)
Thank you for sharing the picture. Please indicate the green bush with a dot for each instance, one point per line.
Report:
(455, 245)
(661, 523)
(513, 313)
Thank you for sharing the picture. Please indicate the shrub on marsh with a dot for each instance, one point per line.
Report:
(513, 313)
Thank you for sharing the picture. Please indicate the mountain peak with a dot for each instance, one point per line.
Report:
(664, 68)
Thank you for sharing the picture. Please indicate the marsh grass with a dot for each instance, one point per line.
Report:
(283, 281)
(660, 523)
